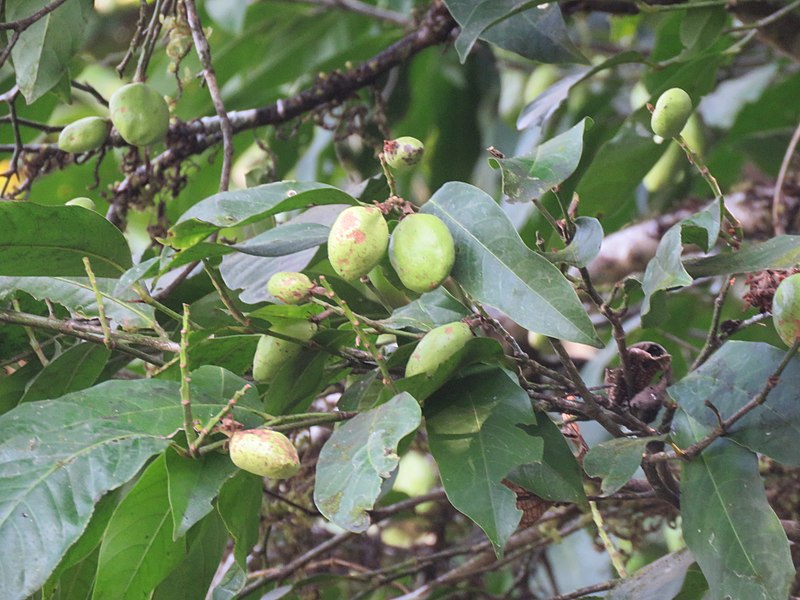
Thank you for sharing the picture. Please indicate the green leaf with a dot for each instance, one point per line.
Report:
(232, 583)
(528, 177)
(59, 457)
(231, 352)
(297, 384)
(193, 485)
(662, 578)
(240, 207)
(533, 29)
(42, 54)
(285, 239)
(138, 551)
(585, 244)
(615, 461)
(52, 240)
(367, 444)
(476, 430)
(239, 505)
(781, 252)
(228, 15)
(495, 266)
(76, 368)
(728, 523)
(732, 377)
(430, 310)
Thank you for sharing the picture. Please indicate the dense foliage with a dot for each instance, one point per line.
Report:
(522, 363)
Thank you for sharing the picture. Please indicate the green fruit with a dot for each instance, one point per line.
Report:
(672, 111)
(357, 241)
(82, 201)
(422, 252)
(403, 152)
(290, 287)
(786, 309)
(264, 452)
(140, 114)
(436, 347)
(272, 352)
(83, 135)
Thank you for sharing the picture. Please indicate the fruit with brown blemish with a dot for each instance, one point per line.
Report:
(786, 309)
(139, 113)
(403, 152)
(436, 347)
(84, 135)
(290, 287)
(357, 241)
(422, 252)
(264, 452)
(272, 353)
(81, 201)
(671, 112)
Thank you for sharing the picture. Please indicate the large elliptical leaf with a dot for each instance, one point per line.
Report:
(477, 436)
(496, 267)
(780, 252)
(358, 457)
(728, 523)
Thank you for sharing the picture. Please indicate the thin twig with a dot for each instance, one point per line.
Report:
(35, 346)
(24, 23)
(585, 591)
(713, 339)
(219, 285)
(362, 8)
(608, 543)
(777, 196)
(186, 399)
(98, 297)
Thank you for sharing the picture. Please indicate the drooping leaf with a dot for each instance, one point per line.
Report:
(367, 444)
(495, 266)
(285, 239)
(240, 207)
(615, 461)
(427, 312)
(732, 377)
(76, 368)
(476, 430)
(662, 578)
(781, 252)
(51, 241)
(585, 244)
(239, 505)
(728, 523)
(42, 54)
(528, 177)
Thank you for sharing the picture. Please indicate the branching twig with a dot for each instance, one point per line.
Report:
(713, 339)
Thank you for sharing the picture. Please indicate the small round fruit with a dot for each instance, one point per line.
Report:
(83, 135)
(82, 201)
(403, 152)
(357, 241)
(436, 347)
(290, 287)
(672, 111)
(264, 452)
(786, 309)
(272, 352)
(422, 252)
(140, 114)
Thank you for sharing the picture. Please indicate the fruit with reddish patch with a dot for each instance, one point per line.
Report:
(357, 241)
(272, 353)
(290, 287)
(264, 452)
(84, 135)
(139, 113)
(422, 252)
(671, 112)
(786, 309)
(436, 347)
(402, 153)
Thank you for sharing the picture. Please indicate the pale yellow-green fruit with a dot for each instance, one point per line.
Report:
(671, 112)
(84, 135)
(264, 452)
(139, 113)
(272, 352)
(357, 241)
(786, 309)
(403, 152)
(82, 201)
(290, 287)
(436, 347)
(422, 252)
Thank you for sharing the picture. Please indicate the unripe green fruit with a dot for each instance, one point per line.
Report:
(140, 114)
(357, 241)
(403, 152)
(422, 252)
(264, 452)
(786, 309)
(436, 347)
(272, 352)
(83, 135)
(672, 111)
(290, 287)
(82, 201)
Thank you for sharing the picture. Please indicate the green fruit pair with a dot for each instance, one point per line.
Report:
(671, 112)
(83, 135)
(264, 452)
(786, 309)
(273, 353)
(436, 347)
(422, 252)
(290, 287)
(140, 114)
